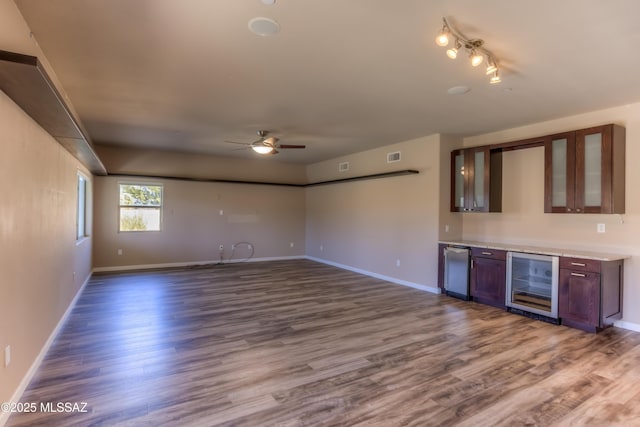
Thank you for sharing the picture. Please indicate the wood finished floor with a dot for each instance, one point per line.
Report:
(298, 343)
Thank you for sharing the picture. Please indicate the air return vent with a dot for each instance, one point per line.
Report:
(393, 157)
(343, 167)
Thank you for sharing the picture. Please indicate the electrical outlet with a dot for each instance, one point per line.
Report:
(397, 263)
(321, 248)
(222, 247)
(600, 228)
(119, 251)
(291, 244)
(7, 356)
(446, 228)
(221, 212)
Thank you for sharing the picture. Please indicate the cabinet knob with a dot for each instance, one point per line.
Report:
(578, 210)
(568, 209)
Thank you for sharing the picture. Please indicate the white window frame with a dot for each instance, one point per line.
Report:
(83, 194)
(151, 207)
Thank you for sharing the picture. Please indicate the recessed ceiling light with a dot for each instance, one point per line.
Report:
(268, 2)
(264, 26)
(458, 90)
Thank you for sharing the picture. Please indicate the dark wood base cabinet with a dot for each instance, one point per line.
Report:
(590, 293)
(488, 276)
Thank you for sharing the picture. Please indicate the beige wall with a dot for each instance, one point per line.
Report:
(269, 217)
(42, 265)
(369, 225)
(523, 221)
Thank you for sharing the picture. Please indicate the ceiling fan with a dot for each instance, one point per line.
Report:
(266, 144)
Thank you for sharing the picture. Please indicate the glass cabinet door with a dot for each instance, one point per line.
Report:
(560, 173)
(478, 180)
(458, 202)
(592, 173)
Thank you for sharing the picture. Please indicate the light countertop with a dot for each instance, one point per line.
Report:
(538, 250)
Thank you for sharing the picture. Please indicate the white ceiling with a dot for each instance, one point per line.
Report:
(341, 76)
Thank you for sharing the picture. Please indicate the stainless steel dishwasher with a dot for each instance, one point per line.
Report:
(456, 272)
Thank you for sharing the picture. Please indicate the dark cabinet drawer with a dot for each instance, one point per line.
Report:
(580, 264)
(488, 253)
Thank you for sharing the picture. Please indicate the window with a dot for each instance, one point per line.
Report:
(81, 216)
(140, 207)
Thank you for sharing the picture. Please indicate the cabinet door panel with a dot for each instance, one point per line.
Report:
(458, 191)
(592, 173)
(476, 180)
(479, 184)
(559, 174)
(488, 277)
(579, 297)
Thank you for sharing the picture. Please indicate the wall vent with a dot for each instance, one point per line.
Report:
(393, 157)
(343, 167)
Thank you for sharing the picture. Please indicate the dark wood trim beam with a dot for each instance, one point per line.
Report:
(283, 184)
(364, 177)
(25, 81)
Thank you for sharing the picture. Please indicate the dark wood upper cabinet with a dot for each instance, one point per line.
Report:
(476, 180)
(584, 171)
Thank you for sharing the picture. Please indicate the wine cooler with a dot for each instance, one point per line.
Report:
(532, 284)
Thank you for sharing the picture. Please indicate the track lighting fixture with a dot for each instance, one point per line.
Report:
(477, 52)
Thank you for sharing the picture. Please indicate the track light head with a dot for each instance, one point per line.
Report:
(453, 52)
(443, 37)
(496, 78)
(476, 58)
(491, 67)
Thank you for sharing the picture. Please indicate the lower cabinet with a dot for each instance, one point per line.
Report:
(488, 276)
(589, 293)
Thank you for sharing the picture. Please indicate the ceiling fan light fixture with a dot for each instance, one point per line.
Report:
(262, 148)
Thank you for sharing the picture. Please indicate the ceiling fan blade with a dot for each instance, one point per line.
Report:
(235, 142)
(291, 146)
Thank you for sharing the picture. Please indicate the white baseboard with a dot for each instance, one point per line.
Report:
(4, 416)
(190, 264)
(414, 285)
(627, 325)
